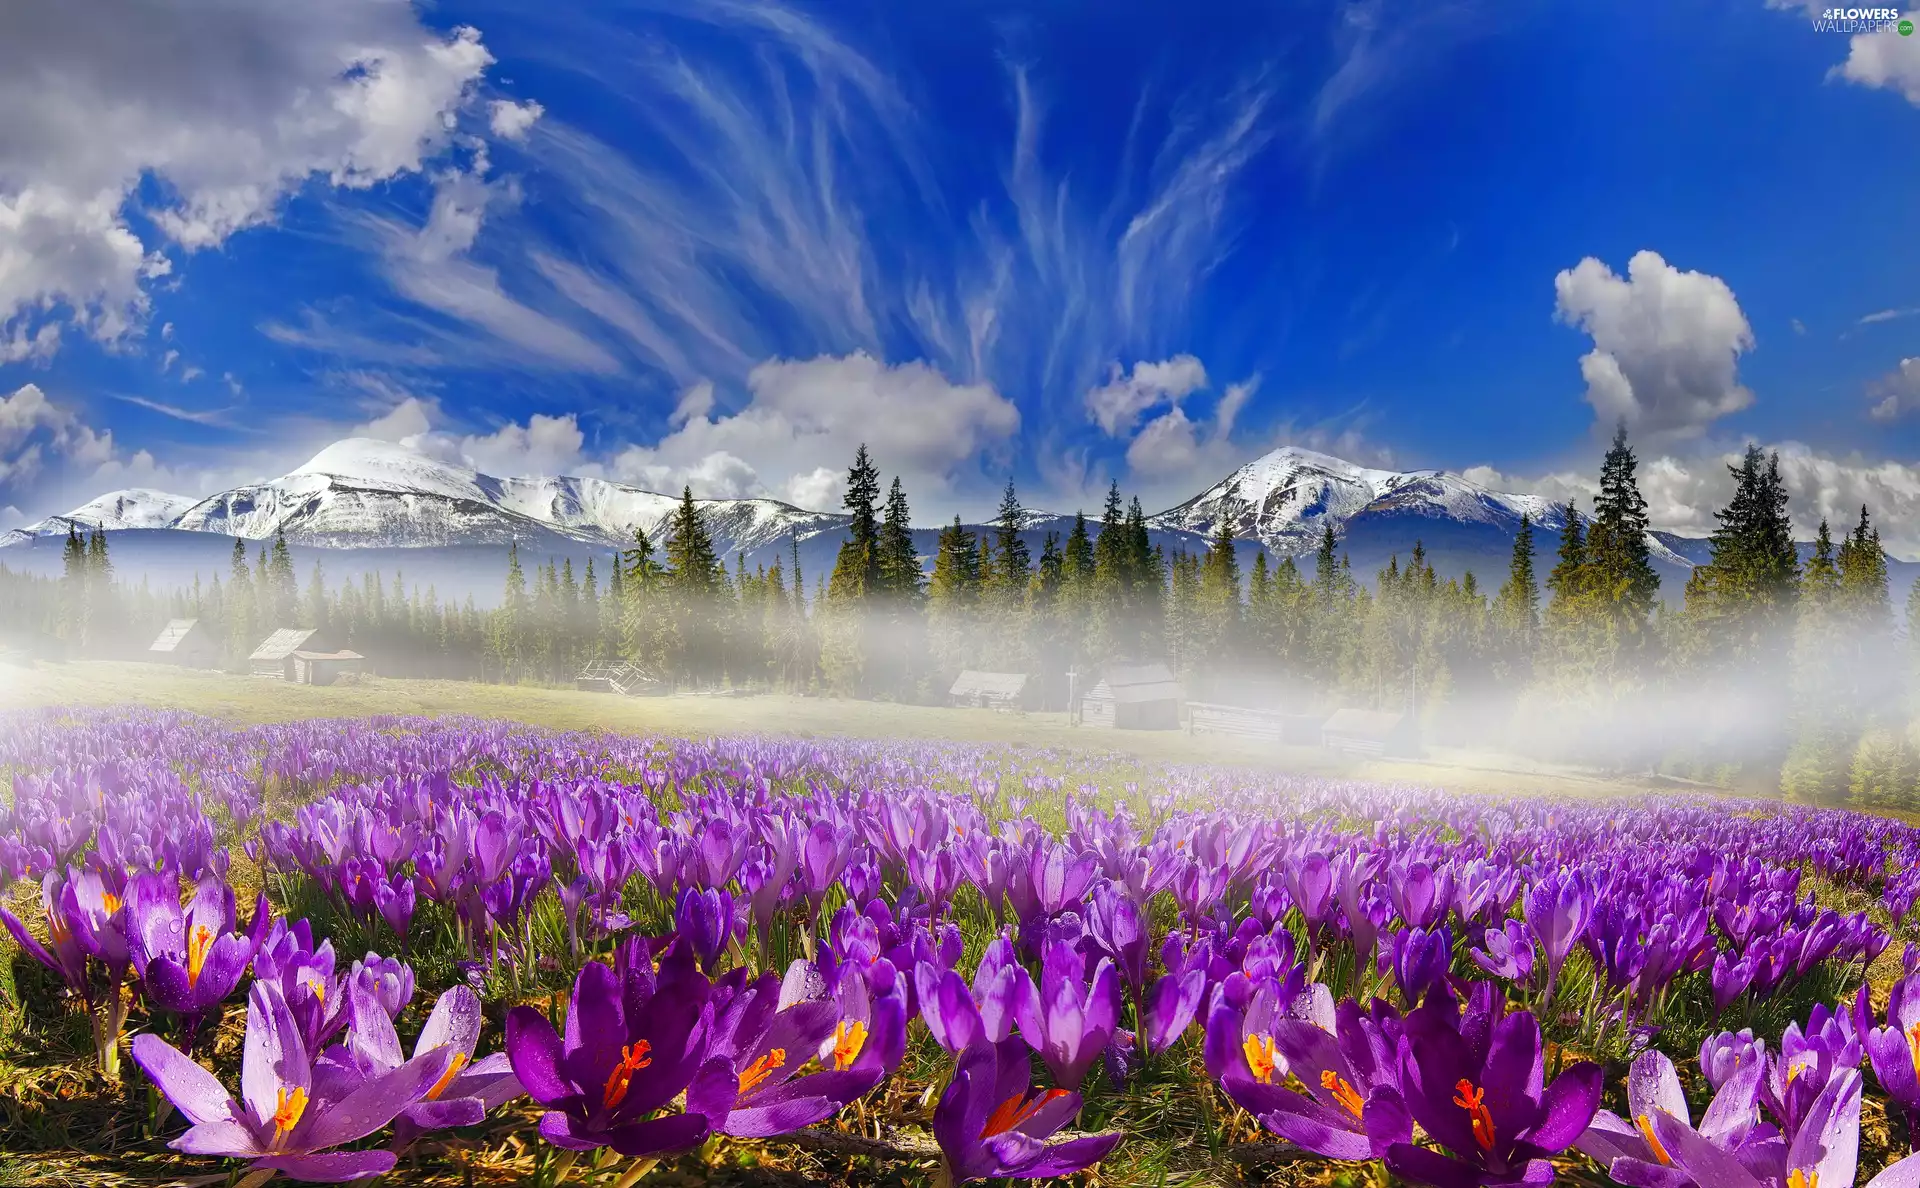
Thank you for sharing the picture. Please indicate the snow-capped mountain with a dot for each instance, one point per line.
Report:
(361, 493)
(1288, 497)
(136, 507)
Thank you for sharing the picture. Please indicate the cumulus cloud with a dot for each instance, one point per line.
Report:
(1175, 445)
(1666, 345)
(1117, 404)
(1896, 393)
(406, 422)
(37, 433)
(1883, 59)
(512, 121)
(225, 108)
(804, 419)
(545, 445)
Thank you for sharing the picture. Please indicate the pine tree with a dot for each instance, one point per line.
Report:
(1517, 607)
(241, 617)
(856, 578)
(1623, 585)
(695, 578)
(285, 586)
(899, 567)
(509, 622)
(1219, 611)
(1013, 563)
(953, 596)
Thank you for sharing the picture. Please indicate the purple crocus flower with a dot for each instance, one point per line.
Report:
(1420, 960)
(705, 918)
(1894, 1049)
(1507, 952)
(958, 1016)
(1723, 1055)
(1824, 1149)
(1352, 1108)
(767, 1031)
(188, 960)
(632, 1045)
(1482, 1093)
(281, 1123)
(463, 1094)
(1558, 909)
(992, 1122)
(1069, 1018)
(1631, 1148)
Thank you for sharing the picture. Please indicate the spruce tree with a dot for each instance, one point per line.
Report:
(694, 580)
(1517, 607)
(856, 578)
(899, 571)
(1623, 583)
(1013, 564)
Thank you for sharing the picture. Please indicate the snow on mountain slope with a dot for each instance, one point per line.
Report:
(1286, 498)
(365, 493)
(136, 507)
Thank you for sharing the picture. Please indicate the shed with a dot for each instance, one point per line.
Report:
(323, 668)
(1134, 697)
(186, 642)
(274, 656)
(1370, 732)
(991, 690)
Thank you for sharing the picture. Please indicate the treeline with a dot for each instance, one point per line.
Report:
(1768, 669)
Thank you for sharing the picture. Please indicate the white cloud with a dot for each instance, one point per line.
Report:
(213, 114)
(35, 431)
(406, 421)
(696, 401)
(1117, 404)
(1896, 393)
(1173, 445)
(804, 420)
(1883, 59)
(1666, 345)
(543, 446)
(512, 121)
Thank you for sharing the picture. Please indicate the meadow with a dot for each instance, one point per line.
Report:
(410, 933)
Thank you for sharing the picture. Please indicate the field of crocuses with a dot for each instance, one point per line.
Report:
(478, 952)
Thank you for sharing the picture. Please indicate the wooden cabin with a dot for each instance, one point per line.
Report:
(1134, 697)
(274, 657)
(1371, 732)
(988, 690)
(186, 642)
(324, 668)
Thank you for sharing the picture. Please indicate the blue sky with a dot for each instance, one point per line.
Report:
(719, 243)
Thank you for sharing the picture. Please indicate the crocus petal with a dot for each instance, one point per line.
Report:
(224, 1137)
(446, 1113)
(596, 1028)
(375, 1103)
(1904, 1174)
(1639, 1173)
(1706, 1163)
(274, 1057)
(1430, 1167)
(564, 1131)
(657, 1136)
(332, 1167)
(1313, 1133)
(780, 1118)
(1068, 1158)
(533, 1048)
(1609, 1137)
(454, 1023)
(1567, 1107)
(194, 1091)
(1652, 1084)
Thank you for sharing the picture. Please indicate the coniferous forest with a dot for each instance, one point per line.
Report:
(1768, 669)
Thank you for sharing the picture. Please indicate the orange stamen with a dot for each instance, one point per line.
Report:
(763, 1068)
(1474, 1102)
(1261, 1058)
(446, 1078)
(1803, 1179)
(286, 1114)
(1653, 1142)
(1015, 1110)
(1342, 1090)
(199, 944)
(111, 901)
(1913, 1046)
(848, 1040)
(633, 1058)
